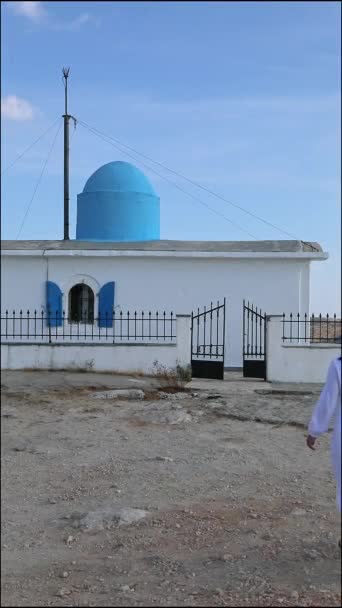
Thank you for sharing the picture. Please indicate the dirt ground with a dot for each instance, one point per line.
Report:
(232, 508)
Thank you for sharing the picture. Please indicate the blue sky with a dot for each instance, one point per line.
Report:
(242, 97)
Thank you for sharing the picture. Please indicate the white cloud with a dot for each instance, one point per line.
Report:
(31, 10)
(35, 11)
(78, 22)
(15, 108)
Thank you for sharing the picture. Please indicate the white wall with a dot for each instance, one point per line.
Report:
(100, 358)
(296, 362)
(166, 283)
(129, 357)
(23, 283)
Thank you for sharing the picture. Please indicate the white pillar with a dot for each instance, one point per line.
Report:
(183, 340)
(274, 347)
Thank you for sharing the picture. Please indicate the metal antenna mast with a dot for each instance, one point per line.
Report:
(66, 117)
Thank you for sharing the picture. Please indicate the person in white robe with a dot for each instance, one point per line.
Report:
(328, 407)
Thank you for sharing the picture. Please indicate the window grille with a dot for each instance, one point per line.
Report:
(81, 304)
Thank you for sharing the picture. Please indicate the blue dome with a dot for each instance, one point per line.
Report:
(118, 203)
(119, 176)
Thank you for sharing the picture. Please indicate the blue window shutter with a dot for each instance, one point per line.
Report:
(53, 304)
(106, 304)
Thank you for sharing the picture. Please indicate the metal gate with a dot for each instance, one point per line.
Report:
(254, 342)
(208, 341)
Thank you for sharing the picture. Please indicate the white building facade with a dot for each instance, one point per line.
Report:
(177, 276)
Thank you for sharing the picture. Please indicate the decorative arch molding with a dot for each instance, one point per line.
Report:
(76, 279)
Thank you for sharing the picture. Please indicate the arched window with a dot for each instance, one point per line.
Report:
(81, 304)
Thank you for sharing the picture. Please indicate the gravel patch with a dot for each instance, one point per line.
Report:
(189, 501)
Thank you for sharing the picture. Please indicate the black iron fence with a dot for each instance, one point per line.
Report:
(26, 326)
(310, 328)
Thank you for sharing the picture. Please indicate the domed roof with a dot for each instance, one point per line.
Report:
(119, 176)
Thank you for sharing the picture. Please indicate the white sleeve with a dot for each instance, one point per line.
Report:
(327, 403)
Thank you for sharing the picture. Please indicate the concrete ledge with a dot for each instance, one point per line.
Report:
(312, 345)
(92, 344)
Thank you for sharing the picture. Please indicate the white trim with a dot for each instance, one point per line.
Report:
(313, 345)
(297, 255)
(74, 280)
(81, 278)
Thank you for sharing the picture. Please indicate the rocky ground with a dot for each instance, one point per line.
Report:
(207, 497)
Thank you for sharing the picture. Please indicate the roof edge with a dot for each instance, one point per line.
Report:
(269, 246)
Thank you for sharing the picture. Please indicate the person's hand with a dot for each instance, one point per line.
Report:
(310, 442)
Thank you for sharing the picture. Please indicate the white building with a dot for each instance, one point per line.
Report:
(117, 262)
(165, 275)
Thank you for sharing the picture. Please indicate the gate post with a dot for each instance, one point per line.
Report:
(274, 346)
(183, 340)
